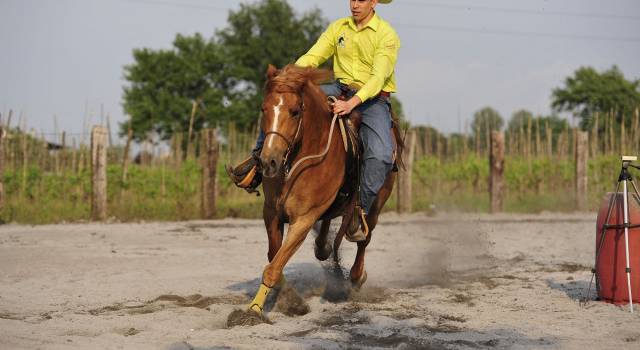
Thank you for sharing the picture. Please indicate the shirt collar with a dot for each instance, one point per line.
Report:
(373, 23)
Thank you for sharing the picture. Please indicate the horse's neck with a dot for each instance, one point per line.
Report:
(316, 123)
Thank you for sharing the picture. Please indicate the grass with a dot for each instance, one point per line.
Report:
(150, 193)
(160, 193)
(542, 184)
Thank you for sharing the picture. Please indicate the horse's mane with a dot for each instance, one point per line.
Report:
(293, 78)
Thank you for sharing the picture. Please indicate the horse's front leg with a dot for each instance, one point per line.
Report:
(274, 228)
(296, 234)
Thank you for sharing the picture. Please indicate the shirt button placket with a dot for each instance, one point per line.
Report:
(356, 56)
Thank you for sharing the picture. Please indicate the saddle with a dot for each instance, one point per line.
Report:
(349, 130)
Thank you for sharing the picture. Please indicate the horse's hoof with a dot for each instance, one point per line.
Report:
(323, 253)
(357, 284)
(246, 318)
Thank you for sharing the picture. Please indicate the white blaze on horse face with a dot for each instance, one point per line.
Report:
(274, 125)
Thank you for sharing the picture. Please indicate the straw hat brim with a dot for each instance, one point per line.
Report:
(385, 1)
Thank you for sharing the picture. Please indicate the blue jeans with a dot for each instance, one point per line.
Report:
(375, 133)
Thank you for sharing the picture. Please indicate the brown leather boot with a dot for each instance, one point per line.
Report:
(246, 175)
(358, 229)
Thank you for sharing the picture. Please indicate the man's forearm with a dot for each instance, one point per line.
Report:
(354, 102)
(345, 107)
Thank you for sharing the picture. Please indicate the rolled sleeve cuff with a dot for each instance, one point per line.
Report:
(363, 95)
(369, 90)
(304, 62)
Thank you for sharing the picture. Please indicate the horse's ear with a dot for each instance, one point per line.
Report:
(272, 71)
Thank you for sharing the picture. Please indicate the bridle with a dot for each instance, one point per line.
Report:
(294, 141)
(290, 144)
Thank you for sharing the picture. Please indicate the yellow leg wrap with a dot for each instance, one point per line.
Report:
(258, 302)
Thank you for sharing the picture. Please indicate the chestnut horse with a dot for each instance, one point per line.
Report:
(297, 121)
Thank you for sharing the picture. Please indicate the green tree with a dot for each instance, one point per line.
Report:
(520, 119)
(518, 126)
(555, 123)
(164, 83)
(456, 143)
(224, 74)
(263, 33)
(485, 121)
(588, 92)
(429, 138)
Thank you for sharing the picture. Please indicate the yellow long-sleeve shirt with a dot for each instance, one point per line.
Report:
(363, 58)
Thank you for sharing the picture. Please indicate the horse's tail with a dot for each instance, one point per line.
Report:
(399, 140)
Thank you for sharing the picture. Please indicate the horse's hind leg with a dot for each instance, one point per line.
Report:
(346, 219)
(322, 247)
(358, 274)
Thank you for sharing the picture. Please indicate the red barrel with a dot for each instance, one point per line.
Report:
(611, 264)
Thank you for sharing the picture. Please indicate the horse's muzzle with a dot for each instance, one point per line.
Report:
(270, 165)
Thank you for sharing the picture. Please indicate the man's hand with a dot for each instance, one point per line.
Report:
(345, 107)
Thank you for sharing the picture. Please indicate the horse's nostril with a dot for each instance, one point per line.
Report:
(273, 163)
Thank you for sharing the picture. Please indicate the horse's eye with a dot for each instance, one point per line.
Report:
(295, 113)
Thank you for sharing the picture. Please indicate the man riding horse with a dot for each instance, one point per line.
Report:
(364, 48)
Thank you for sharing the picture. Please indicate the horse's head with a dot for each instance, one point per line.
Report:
(282, 113)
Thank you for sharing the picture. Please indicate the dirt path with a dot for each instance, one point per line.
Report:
(450, 282)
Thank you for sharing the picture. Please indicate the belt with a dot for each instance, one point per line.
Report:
(346, 89)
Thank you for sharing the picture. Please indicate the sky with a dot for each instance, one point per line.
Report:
(63, 59)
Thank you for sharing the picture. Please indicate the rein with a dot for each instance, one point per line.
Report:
(289, 143)
(332, 100)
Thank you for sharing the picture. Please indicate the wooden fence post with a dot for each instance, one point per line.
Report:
(636, 132)
(2, 200)
(191, 153)
(581, 155)
(496, 171)
(25, 160)
(63, 153)
(623, 137)
(125, 156)
(74, 157)
(538, 143)
(594, 137)
(99, 173)
(177, 150)
(209, 158)
(404, 177)
(549, 136)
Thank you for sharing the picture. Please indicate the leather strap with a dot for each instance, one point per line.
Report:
(346, 89)
(343, 131)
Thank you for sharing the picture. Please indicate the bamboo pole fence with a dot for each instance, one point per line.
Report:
(28, 159)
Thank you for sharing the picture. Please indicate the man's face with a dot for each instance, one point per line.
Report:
(360, 9)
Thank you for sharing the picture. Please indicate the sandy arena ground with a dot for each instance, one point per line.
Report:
(448, 282)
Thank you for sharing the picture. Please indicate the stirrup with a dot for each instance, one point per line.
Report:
(358, 229)
(245, 175)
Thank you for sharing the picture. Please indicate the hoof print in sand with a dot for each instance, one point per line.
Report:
(290, 303)
(245, 318)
